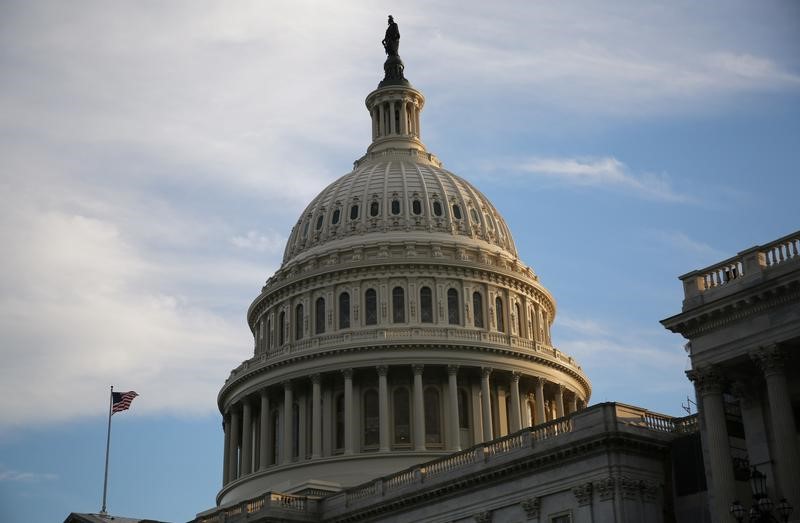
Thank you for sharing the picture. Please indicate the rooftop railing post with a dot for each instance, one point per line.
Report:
(753, 261)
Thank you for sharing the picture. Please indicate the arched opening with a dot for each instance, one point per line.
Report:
(374, 209)
(371, 420)
(269, 333)
(426, 305)
(498, 311)
(453, 316)
(416, 207)
(477, 309)
(456, 211)
(335, 218)
(319, 316)
(402, 417)
(344, 310)
(395, 207)
(398, 305)
(298, 322)
(437, 208)
(371, 307)
(433, 416)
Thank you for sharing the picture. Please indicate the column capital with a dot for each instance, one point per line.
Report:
(560, 388)
(770, 359)
(287, 385)
(383, 370)
(264, 392)
(486, 371)
(515, 376)
(347, 373)
(315, 378)
(452, 370)
(708, 380)
(418, 368)
(539, 381)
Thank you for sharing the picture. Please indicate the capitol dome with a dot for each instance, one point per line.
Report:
(401, 326)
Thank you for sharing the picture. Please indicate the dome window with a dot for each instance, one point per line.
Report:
(475, 216)
(354, 212)
(477, 309)
(398, 305)
(374, 208)
(425, 305)
(319, 222)
(456, 211)
(395, 207)
(416, 207)
(336, 214)
(437, 208)
(371, 307)
(453, 317)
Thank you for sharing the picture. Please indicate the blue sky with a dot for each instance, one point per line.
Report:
(154, 158)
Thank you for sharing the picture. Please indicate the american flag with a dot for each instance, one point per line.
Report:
(121, 401)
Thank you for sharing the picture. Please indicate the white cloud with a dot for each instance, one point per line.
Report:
(15, 476)
(273, 242)
(682, 242)
(602, 172)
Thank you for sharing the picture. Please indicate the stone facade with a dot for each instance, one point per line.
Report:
(742, 320)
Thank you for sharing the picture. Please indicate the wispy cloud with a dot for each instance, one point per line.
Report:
(272, 242)
(681, 241)
(17, 476)
(607, 172)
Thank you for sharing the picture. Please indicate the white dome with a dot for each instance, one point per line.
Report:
(398, 197)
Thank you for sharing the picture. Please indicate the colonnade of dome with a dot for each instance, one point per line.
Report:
(401, 326)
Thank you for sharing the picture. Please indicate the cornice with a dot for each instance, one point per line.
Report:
(731, 309)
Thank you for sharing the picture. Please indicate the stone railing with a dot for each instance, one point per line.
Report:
(749, 262)
(524, 442)
(388, 334)
(269, 502)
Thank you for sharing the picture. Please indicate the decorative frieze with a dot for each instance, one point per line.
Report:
(532, 507)
(606, 488)
(583, 494)
(483, 517)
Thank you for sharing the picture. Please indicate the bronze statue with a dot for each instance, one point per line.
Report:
(391, 42)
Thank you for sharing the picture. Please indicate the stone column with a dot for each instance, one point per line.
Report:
(233, 457)
(416, 121)
(452, 391)
(539, 411)
(316, 417)
(226, 450)
(514, 417)
(722, 486)
(382, 121)
(403, 118)
(264, 435)
(786, 461)
(288, 421)
(573, 403)
(348, 410)
(486, 404)
(247, 437)
(559, 400)
(383, 407)
(419, 410)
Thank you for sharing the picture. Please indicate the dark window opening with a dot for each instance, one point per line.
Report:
(456, 211)
(298, 322)
(371, 419)
(371, 307)
(498, 310)
(354, 212)
(433, 422)
(426, 305)
(319, 222)
(344, 311)
(395, 207)
(437, 208)
(398, 305)
(319, 316)
(452, 307)
(416, 207)
(335, 218)
(373, 209)
(477, 309)
(402, 417)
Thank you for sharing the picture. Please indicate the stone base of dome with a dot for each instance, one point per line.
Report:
(331, 474)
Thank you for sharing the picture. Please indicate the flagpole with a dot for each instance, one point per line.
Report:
(108, 446)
